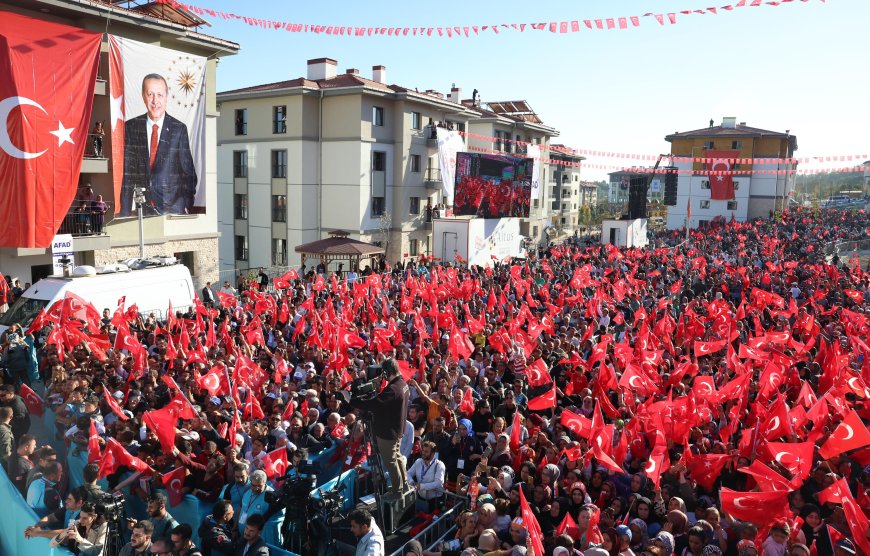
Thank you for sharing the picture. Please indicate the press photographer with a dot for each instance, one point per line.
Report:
(86, 535)
(388, 410)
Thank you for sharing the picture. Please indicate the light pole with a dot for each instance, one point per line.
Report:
(139, 199)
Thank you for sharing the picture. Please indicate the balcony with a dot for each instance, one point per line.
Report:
(84, 219)
(432, 178)
(94, 159)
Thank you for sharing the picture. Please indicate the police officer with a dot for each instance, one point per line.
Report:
(214, 531)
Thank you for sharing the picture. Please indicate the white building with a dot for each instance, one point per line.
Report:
(762, 184)
(330, 151)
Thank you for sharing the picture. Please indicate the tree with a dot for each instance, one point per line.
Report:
(385, 224)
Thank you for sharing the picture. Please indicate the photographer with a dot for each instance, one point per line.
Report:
(389, 410)
(53, 524)
(86, 535)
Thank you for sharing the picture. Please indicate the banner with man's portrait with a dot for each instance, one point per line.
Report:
(158, 128)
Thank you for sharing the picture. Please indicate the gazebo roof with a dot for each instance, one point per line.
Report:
(339, 245)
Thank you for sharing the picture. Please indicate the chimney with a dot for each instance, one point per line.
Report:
(742, 124)
(321, 68)
(351, 71)
(379, 74)
(729, 122)
(455, 95)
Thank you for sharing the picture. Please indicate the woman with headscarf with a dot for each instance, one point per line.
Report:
(611, 541)
(500, 454)
(639, 534)
(666, 541)
(815, 530)
(462, 451)
(677, 524)
(550, 520)
(550, 477)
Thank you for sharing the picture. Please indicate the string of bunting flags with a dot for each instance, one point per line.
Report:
(663, 170)
(451, 31)
(636, 156)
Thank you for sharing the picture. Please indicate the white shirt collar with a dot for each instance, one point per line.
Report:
(158, 122)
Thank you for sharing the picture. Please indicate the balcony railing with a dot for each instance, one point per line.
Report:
(432, 178)
(84, 219)
(95, 147)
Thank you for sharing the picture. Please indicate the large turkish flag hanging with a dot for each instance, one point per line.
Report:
(721, 166)
(46, 93)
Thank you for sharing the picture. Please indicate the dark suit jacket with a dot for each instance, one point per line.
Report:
(171, 185)
(259, 548)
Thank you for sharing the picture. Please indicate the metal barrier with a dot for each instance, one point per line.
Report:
(440, 528)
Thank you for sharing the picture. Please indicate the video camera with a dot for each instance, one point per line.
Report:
(111, 505)
(364, 388)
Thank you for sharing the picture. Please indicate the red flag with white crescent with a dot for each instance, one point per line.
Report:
(46, 95)
(174, 481)
(93, 443)
(35, 405)
(721, 172)
(275, 463)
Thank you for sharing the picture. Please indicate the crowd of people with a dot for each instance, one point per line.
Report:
(691, 399)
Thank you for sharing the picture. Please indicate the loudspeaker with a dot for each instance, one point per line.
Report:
(671, 187)
(637, 197)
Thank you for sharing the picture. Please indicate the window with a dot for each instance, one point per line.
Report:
(377, 116)
(534, 231)
(736, 145)
(708, 145)
(520, 148)
(705, 184)
(736, 184)
(279, 119)
(705, 204)
(378, 206)
(732, 205)
(535, 203)
(240, 206)
(416, 120)
(279, 208)
(413, 247)
(279, 252)
(415, 162)
(242, 121)
(279, 164)
(497, 141)
(240, 164)
(414, 205)
(379, 161)
(241, 248)
(507, 142)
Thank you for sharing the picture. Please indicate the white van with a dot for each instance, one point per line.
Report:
(155, 284)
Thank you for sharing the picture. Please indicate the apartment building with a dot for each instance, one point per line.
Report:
(330, 150)
(192, 238)
(566, 190)
(762, 185)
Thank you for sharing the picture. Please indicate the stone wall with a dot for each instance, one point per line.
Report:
(205, 256)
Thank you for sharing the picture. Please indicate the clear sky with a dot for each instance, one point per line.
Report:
(800, 66)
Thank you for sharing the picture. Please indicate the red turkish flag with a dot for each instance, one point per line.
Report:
(858, 523)
(116, 456)
(705, 468)
(709, 348)
(214, 382)
(546, 400)
(460, 346)
(339, 431)
(655, 465)
(174, 481)
(755, 507)
(849, 435)
(113, 405)
(835, 493)
(93, 443)
(538, 374)
(275, 463)
(162, 423)
(49, 72)
(530, 522)
(516, 434)
(35, 405)
(578, 424)
(467, 405)
(721, 184)
(568, 526)
(796, 457)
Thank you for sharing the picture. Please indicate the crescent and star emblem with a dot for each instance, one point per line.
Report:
(63, 134)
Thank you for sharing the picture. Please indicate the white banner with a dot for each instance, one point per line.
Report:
(450, 142)
(151, 85)
(534, 152)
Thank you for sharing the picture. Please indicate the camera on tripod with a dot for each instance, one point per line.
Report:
(111, 505)
(364, 388)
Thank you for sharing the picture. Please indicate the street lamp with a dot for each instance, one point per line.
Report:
(139, 199)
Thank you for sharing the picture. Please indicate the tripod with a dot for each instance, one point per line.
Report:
(376, 462)
(114, 540)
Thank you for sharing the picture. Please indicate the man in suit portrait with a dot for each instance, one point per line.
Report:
(157, 156)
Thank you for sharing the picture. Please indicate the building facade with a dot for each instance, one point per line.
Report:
(762, 186)
(566, 190)
(193, 239)
(332, 150)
